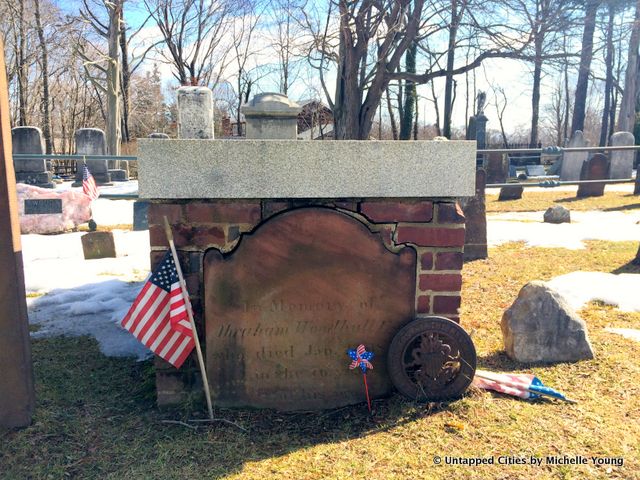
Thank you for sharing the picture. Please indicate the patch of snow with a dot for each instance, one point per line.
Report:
(580, 288)
(112, 212)
(630, 333)
(85, 297)
(529, 228)
(118, 188)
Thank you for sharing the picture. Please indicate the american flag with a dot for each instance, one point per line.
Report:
(89, 184)
(523, 385)
(158, 317)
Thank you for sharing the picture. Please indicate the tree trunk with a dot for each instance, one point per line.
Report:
(392, 117)
(23, 68)
(126, 79)
(537, 76)
(582, 86)
(626, 118)
(406, 122)
(608, 83)
(448, 85)
(46, 111)
(113, 80)
(437, 109)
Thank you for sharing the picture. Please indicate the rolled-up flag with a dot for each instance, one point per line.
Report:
(523, 385)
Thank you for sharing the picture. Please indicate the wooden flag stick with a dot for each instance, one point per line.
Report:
(185, 295)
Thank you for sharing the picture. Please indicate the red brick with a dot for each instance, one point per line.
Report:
(424, 302)
(383, 212)
(156, 257)
(223, 212)
(449, 261)
(207, 236)
(446, 304)
(431, 237)
(441, 282)
(427, 261)
(450, 213)
(157, 212)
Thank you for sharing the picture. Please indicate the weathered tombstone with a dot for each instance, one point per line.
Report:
(98, 245)
(140, 215)
(572, 161)
(541, 326)
(475, 243)
(17, 394)
(596, 168)
(32, 171)
(511, 192)
(497, 168)
(622, 160)
(92, 141)
(535, 171)
(159, 135)
(271, 116)
(195, 113)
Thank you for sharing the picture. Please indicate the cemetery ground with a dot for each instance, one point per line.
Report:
(96, 418)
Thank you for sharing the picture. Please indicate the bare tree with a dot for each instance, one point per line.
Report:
(626, 118)
(286, 30)
(192, 32)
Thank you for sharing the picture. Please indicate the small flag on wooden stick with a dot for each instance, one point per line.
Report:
(89, 187)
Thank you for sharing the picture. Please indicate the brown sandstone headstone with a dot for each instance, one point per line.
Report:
(98, 245)
(596, 168)
(511, 192)
(282, 310)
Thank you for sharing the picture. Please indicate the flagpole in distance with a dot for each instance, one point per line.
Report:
(185, 295)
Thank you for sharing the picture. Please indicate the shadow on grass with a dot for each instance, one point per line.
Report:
(622, 208)
(632, 267)
(96, 418)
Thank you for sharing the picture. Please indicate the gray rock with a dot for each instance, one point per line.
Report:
(557, 214)
(540, 326)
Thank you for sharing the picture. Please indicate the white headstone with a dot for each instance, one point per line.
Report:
(195, 113)
(572, 161)
(621, 160)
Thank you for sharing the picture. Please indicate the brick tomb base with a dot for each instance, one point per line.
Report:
(280, 290)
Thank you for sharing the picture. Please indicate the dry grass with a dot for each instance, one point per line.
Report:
(537, 200)
(95, 416)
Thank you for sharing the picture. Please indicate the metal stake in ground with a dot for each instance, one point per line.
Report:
(185, 295)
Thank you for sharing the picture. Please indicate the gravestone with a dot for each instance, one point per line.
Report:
(271, 115)
(17, 393)
(158, 135)
(98, 245)
(32, 171)
(140, 215)
(572, 161)
(92, 141)
(195, 113)
(282, 311)
(596, 168)
(511, 192)
(622, 160)
(497, 168)
(475, 243)
(535, 171)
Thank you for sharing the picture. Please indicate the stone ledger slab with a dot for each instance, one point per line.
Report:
(282, 310)
(305, 169)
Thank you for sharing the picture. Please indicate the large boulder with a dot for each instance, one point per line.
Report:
(540, 326)
(557, 214)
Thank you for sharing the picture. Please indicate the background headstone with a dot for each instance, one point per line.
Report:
(271, 116)
(541, 326)
(572, 161)
(17, 394)
(497, 168)
(511, 192)
(98, 245)
(195, 113)
(475, 243)
(621, 160)
(32, 171)
(158, 135)
(596, 168)
(92, 141)
(140, 215)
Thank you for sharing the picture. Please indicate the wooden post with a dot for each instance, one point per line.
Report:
(185, 295)
(17, 396)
